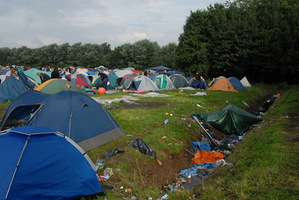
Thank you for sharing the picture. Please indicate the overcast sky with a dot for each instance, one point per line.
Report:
(35, 23)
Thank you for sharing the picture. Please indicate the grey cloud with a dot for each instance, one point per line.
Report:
(35, 23)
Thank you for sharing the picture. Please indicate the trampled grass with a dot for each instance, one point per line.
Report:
(264, 163)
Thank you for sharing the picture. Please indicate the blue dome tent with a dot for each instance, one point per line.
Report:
(236, 83)
(40, 163)
(72, 113)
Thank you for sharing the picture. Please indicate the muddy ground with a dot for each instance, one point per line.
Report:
(152, 174)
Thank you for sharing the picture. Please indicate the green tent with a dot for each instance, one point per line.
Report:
(32, 73)
(112, 79)
(54, 86)
(230, 120)
(163, 82)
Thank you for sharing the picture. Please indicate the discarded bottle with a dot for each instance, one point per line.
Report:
(128, 190)
(159, 162)
(165, 196)
(278, 96)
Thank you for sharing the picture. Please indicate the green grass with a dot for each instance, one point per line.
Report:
(264, 163)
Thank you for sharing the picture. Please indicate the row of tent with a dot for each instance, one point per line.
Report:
(19, 83)
(43, 141)
(58, 117)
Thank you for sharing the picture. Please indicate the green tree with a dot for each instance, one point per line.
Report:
(192, 51)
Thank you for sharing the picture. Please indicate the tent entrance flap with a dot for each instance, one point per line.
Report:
(20, 115)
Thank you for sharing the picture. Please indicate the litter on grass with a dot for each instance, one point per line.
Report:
(153, 94)
(125, 98)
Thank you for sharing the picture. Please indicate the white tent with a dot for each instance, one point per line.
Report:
(142, 83)
(245, 82)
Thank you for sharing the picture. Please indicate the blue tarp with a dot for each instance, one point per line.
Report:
(159, 68)
(194, 169)
(197, 146)
(72, 113)
(37, 163)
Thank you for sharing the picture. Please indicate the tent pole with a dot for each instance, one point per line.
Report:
(14, 174)
(212, 139)
(70, 124)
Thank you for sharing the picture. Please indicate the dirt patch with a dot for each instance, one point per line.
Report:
(149, 174)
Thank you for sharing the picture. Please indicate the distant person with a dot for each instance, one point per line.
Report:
(12, 71)
(104, 80)
(145, 73)
(73, 72)
(43, 77)
(55, 73)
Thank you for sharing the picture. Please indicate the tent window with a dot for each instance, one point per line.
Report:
(84, 105)
(20, 115)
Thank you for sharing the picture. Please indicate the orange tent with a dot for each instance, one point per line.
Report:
(223, 85)
(203, 156)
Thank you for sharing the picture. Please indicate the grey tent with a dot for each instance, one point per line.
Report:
(179, 81)
(142, 83)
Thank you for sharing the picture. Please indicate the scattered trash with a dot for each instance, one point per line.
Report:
(278, 96)
(171, 114)
(199, 106)
(165, 196)
(143, 147)
(125, 98)
(222, 163)
(129, 135)
(153, 94)
(286, 115)
(108, 172)
(112, 153)
(199, 94)
(133, 198)
(100, 164)
(164, 137)
(159, 161)
(166, 113)
(166, 121)
(245, 103)
(181, 91)
(128, 190)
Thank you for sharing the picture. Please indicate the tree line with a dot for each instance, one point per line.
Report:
(140, 55)
(256, 38)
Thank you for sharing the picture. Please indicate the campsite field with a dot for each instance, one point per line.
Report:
(264, 163)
